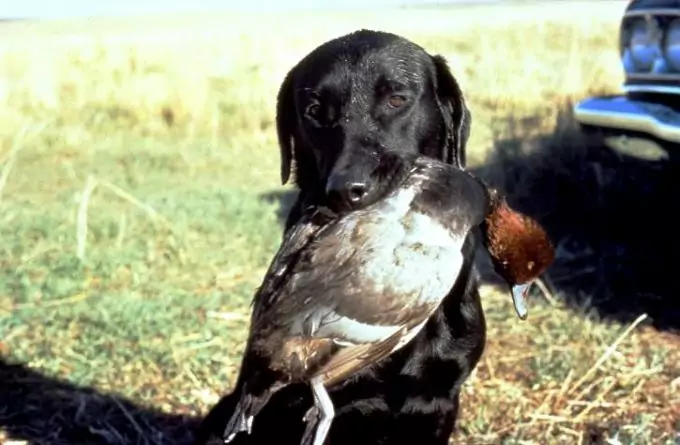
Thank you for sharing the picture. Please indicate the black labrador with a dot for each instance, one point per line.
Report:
(345, 107)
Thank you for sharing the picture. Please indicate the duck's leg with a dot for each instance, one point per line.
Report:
(320, 416)
(311, 420)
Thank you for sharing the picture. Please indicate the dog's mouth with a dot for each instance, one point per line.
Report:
(389, 173)
(392, 172)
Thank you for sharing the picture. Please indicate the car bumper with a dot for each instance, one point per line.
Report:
(622, 113)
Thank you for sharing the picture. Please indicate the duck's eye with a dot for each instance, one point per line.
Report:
(396, 101)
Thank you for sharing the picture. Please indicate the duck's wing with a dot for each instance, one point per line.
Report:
(353, 358)
(295, 240)
(379, 273)
(365, 344)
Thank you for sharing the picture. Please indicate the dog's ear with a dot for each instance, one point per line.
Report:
(519, 247)
(455, 113)
(285, 124)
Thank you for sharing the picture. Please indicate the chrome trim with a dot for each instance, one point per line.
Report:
(654, 76)
(660, 11)
(619, 112)
(663, 89)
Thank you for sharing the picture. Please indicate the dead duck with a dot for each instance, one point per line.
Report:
(345, 291)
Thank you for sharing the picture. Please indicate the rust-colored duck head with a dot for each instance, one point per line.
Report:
(519, 247)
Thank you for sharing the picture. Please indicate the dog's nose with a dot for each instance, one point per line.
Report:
(346, 192)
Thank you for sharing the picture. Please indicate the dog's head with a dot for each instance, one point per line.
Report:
(349, 109)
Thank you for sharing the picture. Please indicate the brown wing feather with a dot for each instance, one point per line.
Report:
(352, 359)
(294, 242)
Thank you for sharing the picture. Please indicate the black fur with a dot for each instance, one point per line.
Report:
(413, 396)
(352, 78)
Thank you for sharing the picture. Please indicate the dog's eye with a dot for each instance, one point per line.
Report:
(313, 108)
(396, 101)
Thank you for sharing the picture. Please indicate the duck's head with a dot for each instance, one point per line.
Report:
(519, 247)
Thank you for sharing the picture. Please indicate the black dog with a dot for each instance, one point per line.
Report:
(341, 110)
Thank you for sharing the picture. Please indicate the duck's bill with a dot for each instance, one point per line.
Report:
(519, 292)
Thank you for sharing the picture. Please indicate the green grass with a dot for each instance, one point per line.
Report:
(177, 134)
(146, 282)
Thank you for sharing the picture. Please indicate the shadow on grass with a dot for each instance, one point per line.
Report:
(41, 411)
(611, 215)
(610, 212)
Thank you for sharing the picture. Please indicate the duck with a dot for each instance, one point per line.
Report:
(345, 290)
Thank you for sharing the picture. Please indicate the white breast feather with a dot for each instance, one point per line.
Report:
(411, 252)
(325, 322)
(353, 331)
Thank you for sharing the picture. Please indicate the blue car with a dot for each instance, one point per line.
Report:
(649, 108)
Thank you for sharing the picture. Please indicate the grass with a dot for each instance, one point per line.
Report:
(138, 162)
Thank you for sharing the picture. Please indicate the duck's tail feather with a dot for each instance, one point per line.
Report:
(244, 414)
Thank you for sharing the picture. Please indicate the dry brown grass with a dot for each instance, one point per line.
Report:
(219, 75)
(178, 112)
